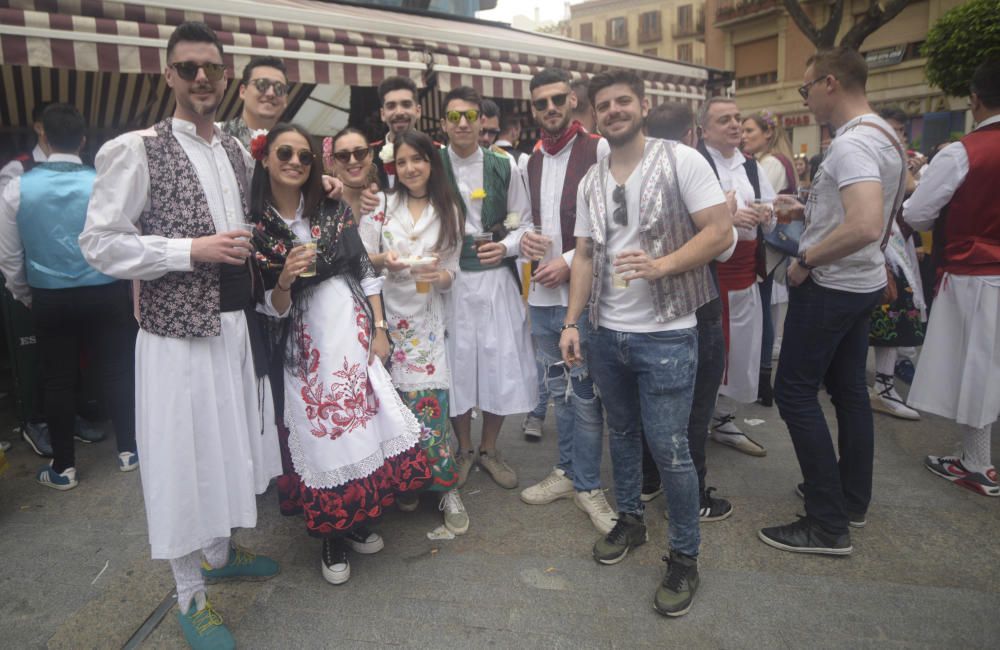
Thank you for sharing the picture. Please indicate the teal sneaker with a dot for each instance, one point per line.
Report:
(242, 565)
(204, 630)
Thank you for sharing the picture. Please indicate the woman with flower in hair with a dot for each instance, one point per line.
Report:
(414, 236)
(349, 444)
(765, 140)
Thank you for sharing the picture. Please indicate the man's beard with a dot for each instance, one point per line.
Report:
(205, 109)
(562, 126)
(623, 138)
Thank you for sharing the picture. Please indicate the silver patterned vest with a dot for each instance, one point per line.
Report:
(664, 226)
(182, 304)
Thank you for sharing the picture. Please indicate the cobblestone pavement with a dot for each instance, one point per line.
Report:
(925, 571)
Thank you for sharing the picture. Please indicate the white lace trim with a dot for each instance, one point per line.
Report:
(359, 470)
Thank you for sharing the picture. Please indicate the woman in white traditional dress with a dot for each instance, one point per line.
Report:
(349, 444)
(414, 236)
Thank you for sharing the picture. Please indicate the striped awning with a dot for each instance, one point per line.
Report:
(130, 38)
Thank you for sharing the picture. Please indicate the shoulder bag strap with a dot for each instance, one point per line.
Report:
(902, 180)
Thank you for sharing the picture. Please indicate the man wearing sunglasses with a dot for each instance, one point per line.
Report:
(488, 345)
(554, 174)
(742, 314)
(650, 217)
(167, 208)
(264, 91)
(833, 285)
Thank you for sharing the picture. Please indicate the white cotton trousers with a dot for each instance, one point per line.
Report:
(746, 327)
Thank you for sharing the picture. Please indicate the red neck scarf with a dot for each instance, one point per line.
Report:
(554, 144)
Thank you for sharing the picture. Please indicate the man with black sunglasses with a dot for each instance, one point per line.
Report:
(264, 91)
(554, 173)
(167, 208)
(650, 217)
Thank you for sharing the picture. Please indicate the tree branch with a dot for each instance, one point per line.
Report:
(804, 22)
(872, 20)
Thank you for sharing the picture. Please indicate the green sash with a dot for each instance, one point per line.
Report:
(496, 180)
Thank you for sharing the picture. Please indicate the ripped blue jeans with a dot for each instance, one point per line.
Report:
(578, 411)
(646, 382)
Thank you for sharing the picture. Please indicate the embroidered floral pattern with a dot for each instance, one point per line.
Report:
(898, 324)
(431, 409)
(416, 353)
(347, 403)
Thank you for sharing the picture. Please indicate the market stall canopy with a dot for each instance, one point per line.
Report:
(321, 43)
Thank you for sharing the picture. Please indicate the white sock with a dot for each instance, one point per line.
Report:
(217, 552)
(724, 406)
(976, 448)
(188, 578)
(885, 361)
(908, 353)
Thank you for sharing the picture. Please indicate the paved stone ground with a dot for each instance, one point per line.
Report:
(925, 572)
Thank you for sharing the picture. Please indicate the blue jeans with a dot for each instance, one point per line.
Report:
(578, 411)
(826, 343)
(646, 382)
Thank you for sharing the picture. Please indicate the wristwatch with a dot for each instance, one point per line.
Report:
(801, 257)
(381, 325)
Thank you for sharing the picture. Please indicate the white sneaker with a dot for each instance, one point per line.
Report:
(553, 487)
(725, 432)
(532, 428)
(596, 505)
(885, 399)
(456, 519)
(127, 461)
(364, 541)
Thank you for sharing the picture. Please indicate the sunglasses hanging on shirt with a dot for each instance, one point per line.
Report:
(620, 214)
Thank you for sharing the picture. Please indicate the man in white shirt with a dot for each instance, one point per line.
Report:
(164, 210)
(488, 343)
(39, 154)
(837, 279)
(742, 314)
(554, 174)
(960, 361)
(650, 217)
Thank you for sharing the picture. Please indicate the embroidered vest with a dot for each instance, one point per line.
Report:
(182, 304)
(664, 226)
(581, 157)
(50, 218)
(968, 238)
(496, 180)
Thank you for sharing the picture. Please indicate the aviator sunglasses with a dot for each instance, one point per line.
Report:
(262, 85)
(557, 101)
(284, 154)
(344, 157)
(456, 116)
(188, 70)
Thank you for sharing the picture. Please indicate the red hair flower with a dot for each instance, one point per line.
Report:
(258, 147)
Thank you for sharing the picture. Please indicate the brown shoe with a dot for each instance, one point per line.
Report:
(494, 464)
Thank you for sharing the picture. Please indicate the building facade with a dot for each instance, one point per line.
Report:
(759, 42)
(668, 29)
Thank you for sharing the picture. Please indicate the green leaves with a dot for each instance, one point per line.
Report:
(962, 39)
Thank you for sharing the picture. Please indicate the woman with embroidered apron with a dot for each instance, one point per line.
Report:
(414, 235)
(349, 444)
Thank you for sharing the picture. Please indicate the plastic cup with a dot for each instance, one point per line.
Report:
(309, 245)
(422, 287)
(481, 239)
(240, 225)
(618, 280)
(548, 242)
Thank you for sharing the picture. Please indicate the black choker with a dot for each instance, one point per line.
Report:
(354, 187)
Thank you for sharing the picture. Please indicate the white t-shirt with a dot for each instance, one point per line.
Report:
(857, 154)
(631, 309)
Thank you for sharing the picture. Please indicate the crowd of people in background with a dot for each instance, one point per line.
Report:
(263, 305)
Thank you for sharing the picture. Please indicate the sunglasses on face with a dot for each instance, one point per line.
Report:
(621, 212)
(345, 156)
(557, 101)
(262, 86)
(188, 70)
(492, 133)
(285, 152)
(455, 117)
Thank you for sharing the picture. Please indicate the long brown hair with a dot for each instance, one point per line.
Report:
(439, 188)
(777, 139)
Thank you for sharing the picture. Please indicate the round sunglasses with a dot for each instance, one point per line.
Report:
(262, 86)
(285, 152)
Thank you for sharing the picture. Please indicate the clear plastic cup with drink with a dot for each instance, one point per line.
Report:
(480, 239)
(245, 226)
(546, 242)
(310, 245)
(618, 279)
(418, 265)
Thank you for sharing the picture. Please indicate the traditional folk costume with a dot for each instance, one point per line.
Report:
(960, 361)
(204, 427)
(349, 443)
(489, 343)
(419, 366)
(742, 315)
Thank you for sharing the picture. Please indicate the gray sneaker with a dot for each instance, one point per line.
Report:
(532, 428)
(456, 519)
(36, 434)
(494, 464)
(629, 532)
(677, 590)
(464, 460)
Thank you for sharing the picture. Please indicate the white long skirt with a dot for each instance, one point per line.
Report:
(746, 326)
(958, 375)
(198, 423)
(489, 345)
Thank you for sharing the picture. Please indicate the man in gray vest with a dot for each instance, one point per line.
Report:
(650, 217)
(166, 209)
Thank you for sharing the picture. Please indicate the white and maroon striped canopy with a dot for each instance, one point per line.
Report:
(320, 43)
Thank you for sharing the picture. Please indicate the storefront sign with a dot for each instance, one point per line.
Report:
(885, 56)
(792, 121)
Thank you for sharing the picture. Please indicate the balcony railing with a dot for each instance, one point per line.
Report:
(690, 29)
(744, 9)
(650, 35)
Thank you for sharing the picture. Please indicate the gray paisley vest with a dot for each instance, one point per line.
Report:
(182, 304)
